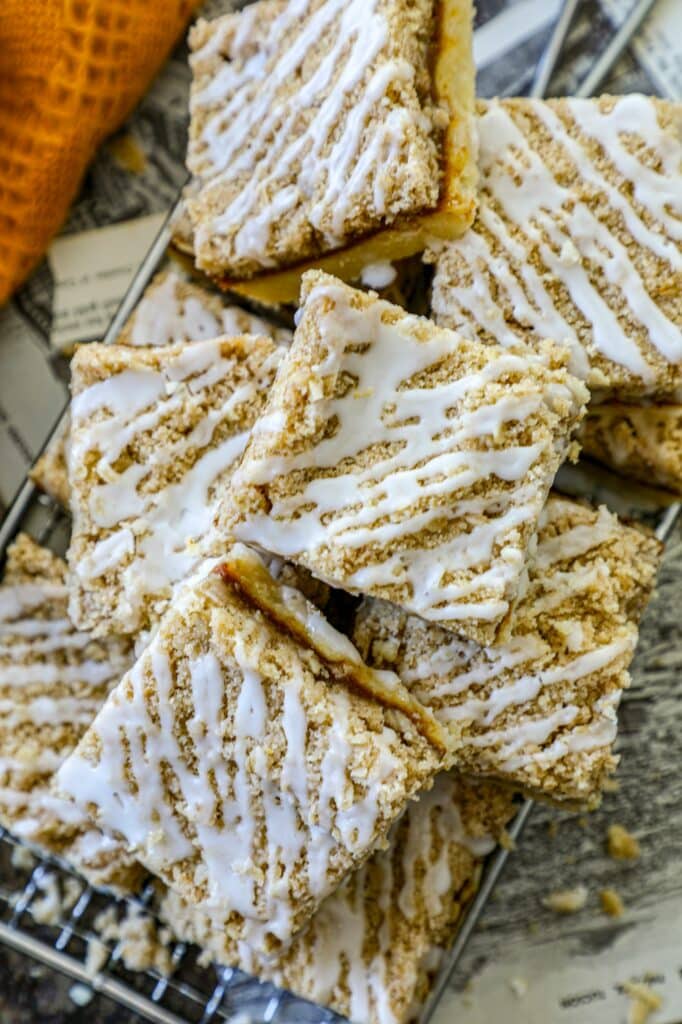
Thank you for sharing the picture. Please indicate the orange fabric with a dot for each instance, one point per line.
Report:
(70, 73)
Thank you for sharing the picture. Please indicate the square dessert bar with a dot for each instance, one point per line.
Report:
(338, 132)
(538, 711)
(399, 459)
(250, 758)
(374, 946)
(153, 433)
(643, 442)
(53, 681)
(577, 239)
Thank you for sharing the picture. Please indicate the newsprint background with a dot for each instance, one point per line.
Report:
(524, 964)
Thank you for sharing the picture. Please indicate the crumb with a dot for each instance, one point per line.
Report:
(96, 955)
(80, 994)
(610, 785)
(47, 908)
(143, 944)
(127, 152)
(22, 858)
(519, 987)
(55, 898)
(553, 828)
(583, 822)
(506, 841)
(644, 1001)
(71, 892)
(611, 903)
(566, 901)
(621, 845)
(205, 958)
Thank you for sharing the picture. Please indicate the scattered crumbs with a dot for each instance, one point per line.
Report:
(553, 828)
(205, 958)
(22, 858)
(143, 944)
(96, 955)
(506, 841)
(386, 650)
(611, 903)
(583, 822)
(644, 1001)
(47, 907)
(519, 987)
(127, 153)
(610, 785)
(54, 899)
(106, 920)
(566, 901)
(71, 893)
(621, 845)
(80, 994)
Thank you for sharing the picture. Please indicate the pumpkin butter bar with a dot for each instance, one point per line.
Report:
(250, 758)
(334, 133)
(374, 946)
(401, 460)
(577, 238)
(539, 710)
(154, 432)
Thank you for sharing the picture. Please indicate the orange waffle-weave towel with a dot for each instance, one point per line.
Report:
(70, 73)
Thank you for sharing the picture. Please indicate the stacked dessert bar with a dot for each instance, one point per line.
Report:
(362, 620)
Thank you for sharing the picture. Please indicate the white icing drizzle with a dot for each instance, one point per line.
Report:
(251, 139)
(152, 538)
(378, 275)
(173, 311)
(511, 706)
(161, 317)
(429, 458)
(254, 835)
(570, 237)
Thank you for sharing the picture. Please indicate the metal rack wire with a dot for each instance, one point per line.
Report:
(188, 993)
(191, 992)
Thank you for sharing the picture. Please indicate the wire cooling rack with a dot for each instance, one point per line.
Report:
(191, 993)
